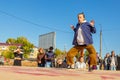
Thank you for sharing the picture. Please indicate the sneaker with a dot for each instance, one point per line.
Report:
(90, 69)
(68, 67)
(72, 66)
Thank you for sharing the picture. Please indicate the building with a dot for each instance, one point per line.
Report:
(5, 46)
(33, 53)
(47, 40)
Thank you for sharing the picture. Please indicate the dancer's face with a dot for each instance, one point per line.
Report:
(81, 18)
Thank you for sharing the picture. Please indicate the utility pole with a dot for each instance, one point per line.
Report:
(100, 41)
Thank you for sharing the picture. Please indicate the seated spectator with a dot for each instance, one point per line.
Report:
(80, 64)
(49, 57)
(61, 63)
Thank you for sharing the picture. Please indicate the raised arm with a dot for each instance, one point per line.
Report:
(92, 25)
(73, 28)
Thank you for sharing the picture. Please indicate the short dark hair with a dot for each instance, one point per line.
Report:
(112, 51)
(82, 13)
(51, 48)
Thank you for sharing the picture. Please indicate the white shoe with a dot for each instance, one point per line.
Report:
(72, 66)
(68, 67)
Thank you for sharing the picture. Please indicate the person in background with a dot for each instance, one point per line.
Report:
(18, 56)
(98, 62)
(61, 63)
(80, 64)
(41, 58)
(113, 61)
(49, 57)
(1, 60)
(106, 62)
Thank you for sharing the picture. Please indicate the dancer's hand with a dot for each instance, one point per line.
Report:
(92, 23)
(72, 27)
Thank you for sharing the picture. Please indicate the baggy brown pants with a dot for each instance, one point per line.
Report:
(74, 51)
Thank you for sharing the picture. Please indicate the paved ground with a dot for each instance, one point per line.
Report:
(34, 73)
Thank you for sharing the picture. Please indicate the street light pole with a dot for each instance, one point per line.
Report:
(101, 41)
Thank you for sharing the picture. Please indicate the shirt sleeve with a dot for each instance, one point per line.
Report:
(92, 28)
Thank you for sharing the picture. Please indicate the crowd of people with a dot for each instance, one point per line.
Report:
(48, 59)
(45, 59)
(110, 61)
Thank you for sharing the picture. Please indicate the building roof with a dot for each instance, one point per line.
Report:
(7, 44)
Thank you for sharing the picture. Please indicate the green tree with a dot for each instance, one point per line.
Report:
(86, 53)
(11, 41)
(9, 53)
(59, 53)
(26, 45)
(78, 55)
(12, 48)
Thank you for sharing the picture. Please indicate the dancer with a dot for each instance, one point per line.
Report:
(82, 40)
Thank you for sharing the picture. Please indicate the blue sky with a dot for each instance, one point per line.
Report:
(58, 15)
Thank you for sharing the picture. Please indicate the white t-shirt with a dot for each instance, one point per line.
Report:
(113, 61)
(80, 65)
(80, 39)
